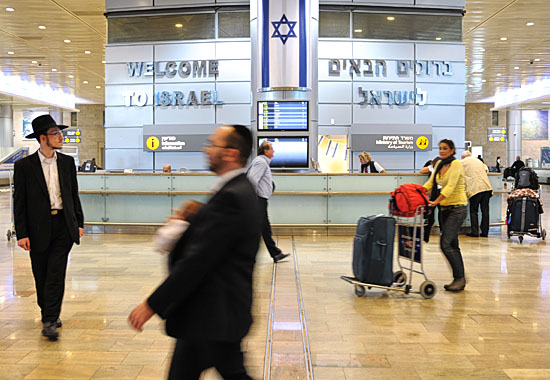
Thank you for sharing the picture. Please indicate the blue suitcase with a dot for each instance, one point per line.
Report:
(373, 250)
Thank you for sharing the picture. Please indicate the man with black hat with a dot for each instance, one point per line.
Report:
(48, 216)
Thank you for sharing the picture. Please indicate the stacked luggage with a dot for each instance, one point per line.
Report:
(523, 216)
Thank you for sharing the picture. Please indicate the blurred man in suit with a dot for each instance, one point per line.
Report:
(48, 216)
(207, 298)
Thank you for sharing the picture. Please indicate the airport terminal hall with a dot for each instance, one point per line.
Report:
(274, 189)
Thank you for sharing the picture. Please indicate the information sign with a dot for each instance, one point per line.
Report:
(72, 136)
(497, 134)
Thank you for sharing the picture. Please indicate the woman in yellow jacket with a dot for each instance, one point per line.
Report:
(447, 188)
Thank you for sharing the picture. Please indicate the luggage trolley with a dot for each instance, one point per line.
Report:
(526, 202)
(410, 238)
(11, 230)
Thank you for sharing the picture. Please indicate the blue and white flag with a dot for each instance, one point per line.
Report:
(284, 39)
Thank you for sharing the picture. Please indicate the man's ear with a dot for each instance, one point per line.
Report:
(232, 155)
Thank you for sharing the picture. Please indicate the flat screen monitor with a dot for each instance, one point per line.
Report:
(283, 116)
(290, 152)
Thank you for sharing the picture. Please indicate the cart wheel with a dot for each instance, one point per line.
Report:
(360, 290)
(428, 289)
(543, 234)
(399, 278)
(521, 239)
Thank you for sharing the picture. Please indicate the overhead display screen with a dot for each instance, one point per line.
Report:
(290, 152)
(283, 116)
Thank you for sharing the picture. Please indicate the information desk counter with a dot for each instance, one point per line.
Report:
(301, 199)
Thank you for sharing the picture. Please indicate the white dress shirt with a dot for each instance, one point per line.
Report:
(49, 168)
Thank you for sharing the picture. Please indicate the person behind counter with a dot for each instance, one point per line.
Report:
(499, 164)
(369, 166)
(449, 177)
(167, 168)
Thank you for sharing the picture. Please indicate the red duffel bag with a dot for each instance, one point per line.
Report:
(406, 199)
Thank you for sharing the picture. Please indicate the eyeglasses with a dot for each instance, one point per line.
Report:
(55, 134)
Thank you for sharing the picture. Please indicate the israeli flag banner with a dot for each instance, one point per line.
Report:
(284, 39)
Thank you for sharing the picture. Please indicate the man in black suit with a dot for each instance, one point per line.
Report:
(207, 298)
(48, 216)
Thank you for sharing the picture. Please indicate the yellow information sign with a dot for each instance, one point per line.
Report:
(422, 142)
(153, 143)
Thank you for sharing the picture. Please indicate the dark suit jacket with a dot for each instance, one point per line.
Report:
(32, 210)
(208, 294)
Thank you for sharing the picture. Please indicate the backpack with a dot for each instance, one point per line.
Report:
(406, 199)
(526, 178)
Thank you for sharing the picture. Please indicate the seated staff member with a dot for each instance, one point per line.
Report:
(429, 166)
(447, 182)
(369, 166)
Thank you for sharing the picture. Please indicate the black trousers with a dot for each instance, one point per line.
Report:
(480, 199)
(191, 358)
(267, 235)
(49, 268)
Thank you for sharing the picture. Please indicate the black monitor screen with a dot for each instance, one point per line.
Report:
(282, 116)
(290, 152)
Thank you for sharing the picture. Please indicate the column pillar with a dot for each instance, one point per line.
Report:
(6, 126)
(57, 115)
(513, 125)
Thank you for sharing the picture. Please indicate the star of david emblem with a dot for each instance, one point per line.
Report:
(289, 34)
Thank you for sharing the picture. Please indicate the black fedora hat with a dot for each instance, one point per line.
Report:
(42, 124)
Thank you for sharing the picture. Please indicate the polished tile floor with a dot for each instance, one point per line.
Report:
(499, 328)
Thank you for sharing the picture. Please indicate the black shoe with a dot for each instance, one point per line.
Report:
(472, 235)
(281, 256)
(456, 286)
(50, 331)
(484, 235)
(58, 323)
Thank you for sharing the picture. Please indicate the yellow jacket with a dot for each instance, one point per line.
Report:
(452, 184)
(475, 176)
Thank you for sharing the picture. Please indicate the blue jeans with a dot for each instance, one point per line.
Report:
(451, 221)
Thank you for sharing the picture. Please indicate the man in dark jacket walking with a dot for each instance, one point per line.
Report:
(48, 217)
(207, 298)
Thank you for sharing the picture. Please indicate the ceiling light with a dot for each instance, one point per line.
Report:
(358, 30)
(10, 9)
(179, 25)
(537, 59)
(42, 27)
(484, 80)
(438, 38)
(103, 62)
(11, 53)
(67, 41)
(470, 85)
(85, 82)
(530, 24)
(34, 62)
(98, 87)
(54, 70)
(481, 49)
(87, 52)
(499, 74)
(504, 38)
(390, 18)
(71, 76)
(516, 68)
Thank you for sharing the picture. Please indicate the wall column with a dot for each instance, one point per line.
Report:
(513, 124)
(57, 115)
(6, 126)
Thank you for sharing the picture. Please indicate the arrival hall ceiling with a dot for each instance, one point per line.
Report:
(492, 63)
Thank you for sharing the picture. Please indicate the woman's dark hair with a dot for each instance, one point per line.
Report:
(449, 143)
(498, 157)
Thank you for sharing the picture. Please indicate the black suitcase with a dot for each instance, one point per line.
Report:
(524, 215)
(373, 250)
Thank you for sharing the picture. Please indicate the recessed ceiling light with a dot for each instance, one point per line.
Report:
(42, 27)
(54, 70)
(499, 74)
(67, 41)
(470, 85)
(484, 80)
(102, 61)
(438, 38)
(358, 30)
(530, 24)
(10, 9)
(179, 25)
(85, 82)
(481, 49)
(504, 38)
(516, 68)
(11, 53)
(390, 18)
(34, 62)
(98, 87)
(537, 59)
(87, 52)
(71, 76)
